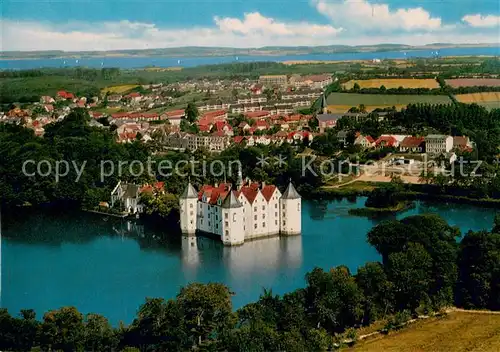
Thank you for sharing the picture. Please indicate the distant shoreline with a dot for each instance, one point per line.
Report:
(175, 53)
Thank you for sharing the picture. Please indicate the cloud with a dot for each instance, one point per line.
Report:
(353, 22)
(255, 23)
(480, 21)
(254, 30)
(360, 15)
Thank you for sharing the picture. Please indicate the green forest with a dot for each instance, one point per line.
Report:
(424, 269)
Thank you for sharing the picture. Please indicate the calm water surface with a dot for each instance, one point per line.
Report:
(108, 267)
(138, 62)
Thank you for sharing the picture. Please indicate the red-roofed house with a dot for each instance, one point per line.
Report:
(65, 95)
(258, 115)
(174, 116)
(213, 116)
(49, 108)
(205, 128)
(262, 125)
(224, 127)
(412, 145)
(134, 97)
(386, 141)
(257, 89)
(238, 139)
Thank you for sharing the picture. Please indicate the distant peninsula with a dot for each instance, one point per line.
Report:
(222, 51)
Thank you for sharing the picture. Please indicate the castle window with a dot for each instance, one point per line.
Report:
(216, 226)
(191, 205)
(255, 209)
(255, 226)
(276, 214)
(284, 222)
(298, 207)
(227, 233)
(255, 217)
(276, 206)
(209, 224)
(225, 216)
(191, 213)
(276, 222)
(226, 224)
(283, 206)
(234, 217)
(263, 224)
(263, 207)
(191, 222)
(263, 216)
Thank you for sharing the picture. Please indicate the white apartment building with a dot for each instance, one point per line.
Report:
(247, 212)
(438, 143)
(182, 140)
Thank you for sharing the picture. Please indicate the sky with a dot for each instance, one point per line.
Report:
(82, 25)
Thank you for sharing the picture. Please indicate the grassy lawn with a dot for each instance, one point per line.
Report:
(353, 99)
(491, 105)
(455, 332)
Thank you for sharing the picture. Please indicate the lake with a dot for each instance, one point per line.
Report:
(139, 62)
(109, 267)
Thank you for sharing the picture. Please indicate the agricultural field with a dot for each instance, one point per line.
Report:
(490, 100)
(458, 331)
(119, 89)
(341, 102)
(393, 83)
(471, 82)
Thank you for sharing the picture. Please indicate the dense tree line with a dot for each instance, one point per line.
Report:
(423, 269)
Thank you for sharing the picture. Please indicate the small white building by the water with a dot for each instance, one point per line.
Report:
(247, 211)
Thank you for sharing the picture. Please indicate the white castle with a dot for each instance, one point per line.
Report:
(249, 211)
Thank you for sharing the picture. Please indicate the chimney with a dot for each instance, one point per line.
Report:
(263, 184)
(216, 185)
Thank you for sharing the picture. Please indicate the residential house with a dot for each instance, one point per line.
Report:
(63, 95)
(47, 100)
(386, 142)
(174, 117)
(127, 197)
(261, 125)
(224, 127)
(134, 97)
(365, 142)
(342, 137)
(114, 98)
(412, 145)
(462, 143)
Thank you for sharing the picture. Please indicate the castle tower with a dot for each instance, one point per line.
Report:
(188, 201)
(239, 183)
(290, 212)
(232, 221)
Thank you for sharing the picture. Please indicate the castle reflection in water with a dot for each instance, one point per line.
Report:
(266, 254)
